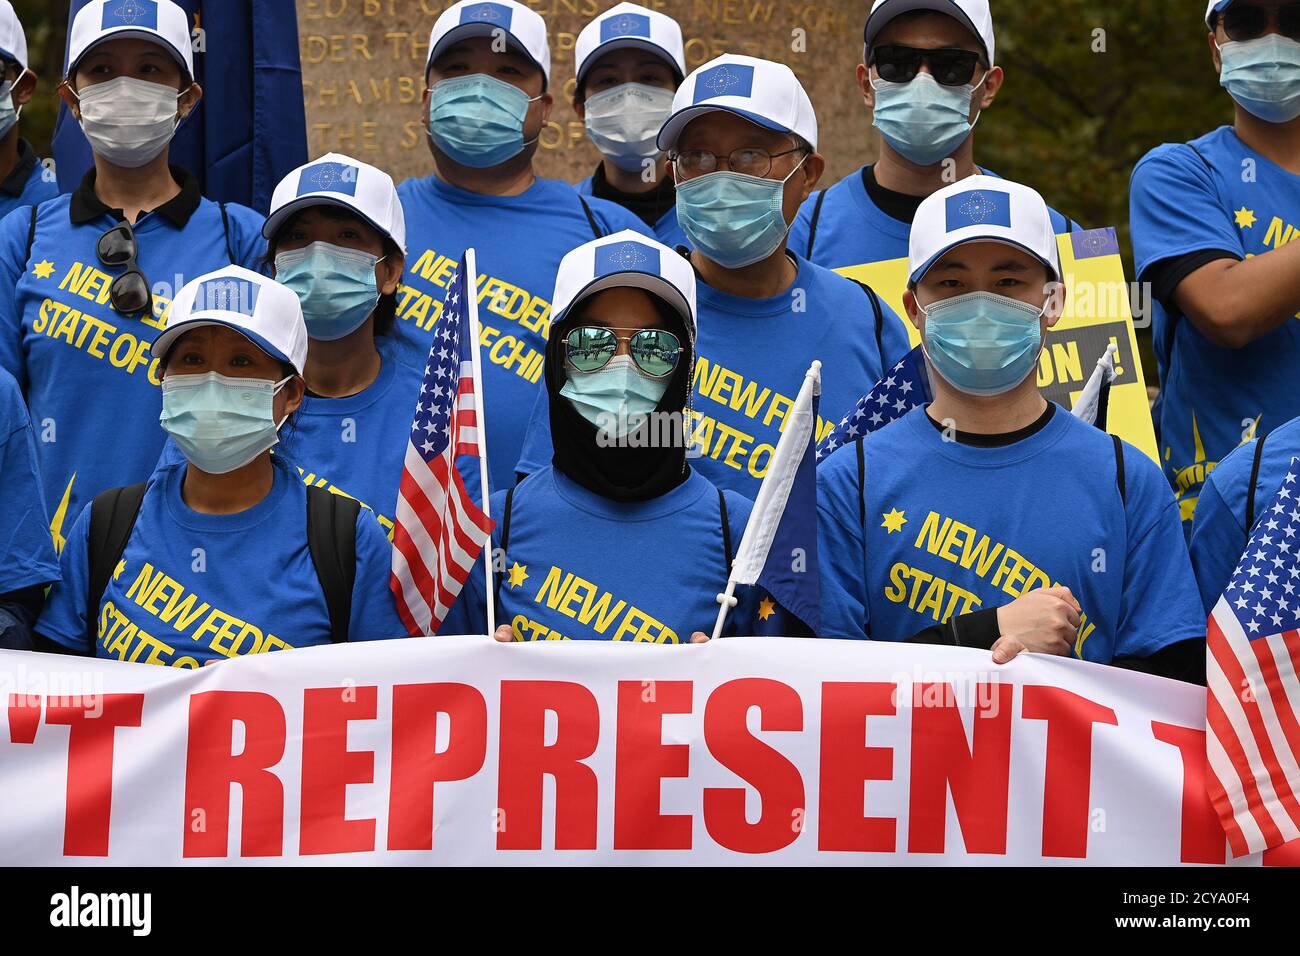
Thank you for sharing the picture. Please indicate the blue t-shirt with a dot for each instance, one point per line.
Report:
(1219, 533)
(852, 230)
(583, 567)
(90, 380)
(37, 186)
(752, 358)
(1196, 197)
(356, 445)
(667, 230)
(26, 551)
(194, 588)
(952, 528)
(519, 242)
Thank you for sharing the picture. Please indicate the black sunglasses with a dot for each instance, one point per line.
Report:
(129, 292)
(591, 347)
(900, 64)
(1251, 23)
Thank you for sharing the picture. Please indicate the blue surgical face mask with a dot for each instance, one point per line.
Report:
(624, 121)
(922, 119)
(220, 423)
(614, 398)
(8, 113)
(335, 285)
(734, 219)
(1263, 75)
(478, 120)
(981, 343)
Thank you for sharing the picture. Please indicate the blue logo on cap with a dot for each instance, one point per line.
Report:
(978, 207)
(624, 25)
(495, 13)
(729, 79)
(626, 257)
(130, 13)
(226, 294)
(328, 177)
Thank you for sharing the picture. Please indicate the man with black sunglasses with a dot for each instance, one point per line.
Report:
(1211, 221)
(928, 73)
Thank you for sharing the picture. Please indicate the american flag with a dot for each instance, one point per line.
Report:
(1253, 655)
(905, 387)
(439, 531)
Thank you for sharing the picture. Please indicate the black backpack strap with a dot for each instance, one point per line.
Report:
(332, 542)
(812, 224)
(591, 218)
(862, 485)
(31, 237)
(505, 542)
(880, 320)
(726, 530)
(1119, 468)
(225, 228)
(1173, 314)
(112, 516)
(1254, 479)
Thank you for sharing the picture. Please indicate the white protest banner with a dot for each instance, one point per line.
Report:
(465, 751)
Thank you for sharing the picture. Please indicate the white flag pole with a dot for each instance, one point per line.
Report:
(773, 493)
(471, 290)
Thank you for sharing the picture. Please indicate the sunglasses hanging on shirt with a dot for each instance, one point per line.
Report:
(129, 292)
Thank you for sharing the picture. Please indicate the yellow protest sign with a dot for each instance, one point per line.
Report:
(1097, 312)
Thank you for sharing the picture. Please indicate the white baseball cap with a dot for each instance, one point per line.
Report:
(761, 91)
(475, 18)
(161, 21)
(974, 15)
(13, 41)
(981, 208)
(263, 311)
(630, 25)
(625, 259)
(1215, 6)
(338, 180)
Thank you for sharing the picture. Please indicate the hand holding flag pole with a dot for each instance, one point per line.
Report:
(785, 510)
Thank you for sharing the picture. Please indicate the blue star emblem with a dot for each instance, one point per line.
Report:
(484, 12)
(623, 24)
(325, 178)
(628, 256)
(129, 12)
(977, 207)
(721, 81)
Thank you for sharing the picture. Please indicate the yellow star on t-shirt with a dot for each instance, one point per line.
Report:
(766, 608)
(894, 521)
(43, 269)
(1245, 218)
(518, 574)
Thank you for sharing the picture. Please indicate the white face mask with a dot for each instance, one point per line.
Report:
(624, 121)
(128, 121)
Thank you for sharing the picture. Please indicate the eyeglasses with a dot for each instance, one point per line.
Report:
(748, 160)
(1251, 22)
(129, 292)
(900, 64)
(590, 348)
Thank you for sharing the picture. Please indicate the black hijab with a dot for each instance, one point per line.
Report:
(618, 473)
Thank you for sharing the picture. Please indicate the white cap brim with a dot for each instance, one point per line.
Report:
(637, 43)
(654, 284)
(169, 335)
(465, 31)
(877, 20)
(918, 274)
(674, 125)
(282, 215)
(129, 33)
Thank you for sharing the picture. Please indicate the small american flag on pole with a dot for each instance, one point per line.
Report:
(1253, 655)
(905, 386)
(439, 531)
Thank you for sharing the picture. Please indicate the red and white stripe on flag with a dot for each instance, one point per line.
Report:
(1253, 658)
(439, 531)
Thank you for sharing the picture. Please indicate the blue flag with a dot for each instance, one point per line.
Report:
(250, 129)
(778, 552)
(905, 387)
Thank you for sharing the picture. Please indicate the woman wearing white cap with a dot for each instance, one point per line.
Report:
(86, 278)
(618, 538)
(336, 237)
(24, 179)
(226, 553)
(630, 61)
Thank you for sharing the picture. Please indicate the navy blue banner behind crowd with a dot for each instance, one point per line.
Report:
(250, 129)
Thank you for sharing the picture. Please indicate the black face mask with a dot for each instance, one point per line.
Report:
(625, 472)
